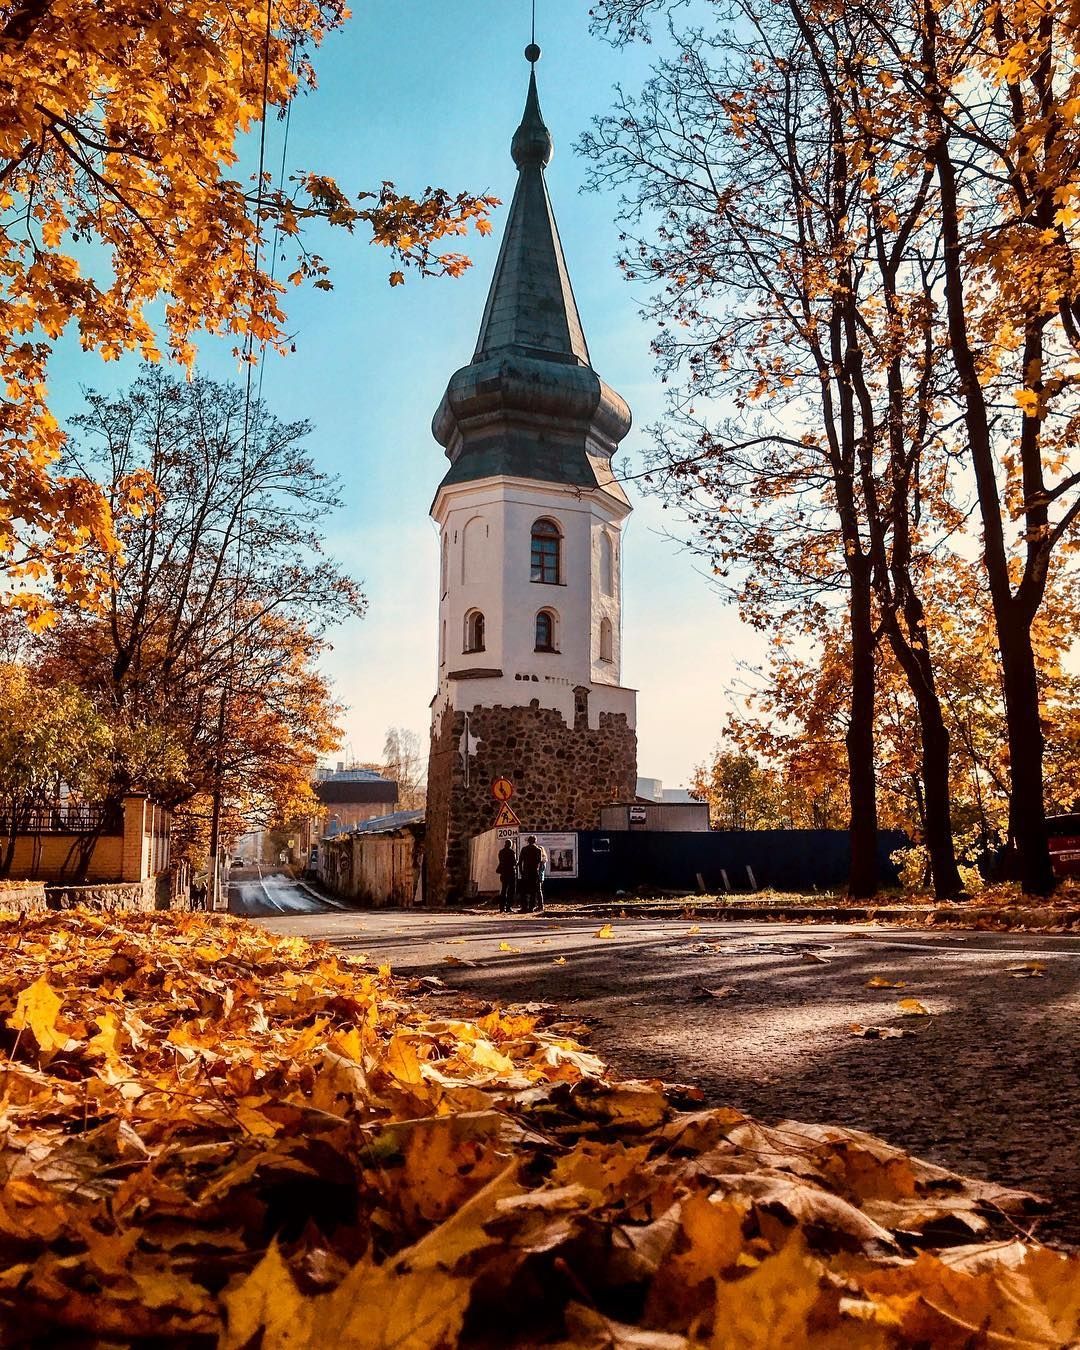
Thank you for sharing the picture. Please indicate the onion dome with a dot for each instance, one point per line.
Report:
(529, 404)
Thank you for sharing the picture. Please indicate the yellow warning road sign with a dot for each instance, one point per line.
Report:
(506, 818)
(502, 789)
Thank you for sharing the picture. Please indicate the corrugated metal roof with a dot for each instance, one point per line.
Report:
(342, 791)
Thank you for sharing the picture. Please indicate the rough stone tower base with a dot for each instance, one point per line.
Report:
(562, 775)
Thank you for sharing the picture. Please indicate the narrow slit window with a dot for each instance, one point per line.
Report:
(607, 640)
(474, 631)
(607, 564)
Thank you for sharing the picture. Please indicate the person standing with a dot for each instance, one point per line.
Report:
(507, 871)
(532, 865)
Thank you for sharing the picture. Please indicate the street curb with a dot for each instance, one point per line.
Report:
(1013, 916)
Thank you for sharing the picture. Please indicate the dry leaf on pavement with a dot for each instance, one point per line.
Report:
(880, 1033)
(911, 1007)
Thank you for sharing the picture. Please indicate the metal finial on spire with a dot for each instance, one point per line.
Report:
(532, 143)
(532, 51)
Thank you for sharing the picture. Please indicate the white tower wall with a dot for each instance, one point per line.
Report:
(486, 530)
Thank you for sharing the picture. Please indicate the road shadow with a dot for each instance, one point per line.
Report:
(988, 1083)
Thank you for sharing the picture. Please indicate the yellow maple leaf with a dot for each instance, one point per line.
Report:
(402, 1062)
(770, 1308)
(267, 1300)
(606, 931)
(36, 1010)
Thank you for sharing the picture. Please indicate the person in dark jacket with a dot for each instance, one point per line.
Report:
(507, 871)
(531, 867)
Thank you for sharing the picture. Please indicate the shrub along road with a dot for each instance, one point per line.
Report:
(760, 1016)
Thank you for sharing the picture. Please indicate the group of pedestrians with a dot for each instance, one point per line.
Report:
(522, 877)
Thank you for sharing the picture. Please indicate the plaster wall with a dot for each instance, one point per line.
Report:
(45, 855)
(486, 531)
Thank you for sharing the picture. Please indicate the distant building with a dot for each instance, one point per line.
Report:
(653, 790)
(348, 797)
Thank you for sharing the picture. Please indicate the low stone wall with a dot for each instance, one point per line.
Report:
(120, 895)
(23, 896)
(20, 896)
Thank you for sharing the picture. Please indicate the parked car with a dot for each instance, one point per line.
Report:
(239, 862)
(1064, 832)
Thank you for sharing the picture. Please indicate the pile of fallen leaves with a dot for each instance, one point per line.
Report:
(211, 1135)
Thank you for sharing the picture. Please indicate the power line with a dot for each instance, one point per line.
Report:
(248, 351)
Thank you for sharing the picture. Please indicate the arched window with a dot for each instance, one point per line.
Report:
(545, 631)
(445, 573)
(546, 550)
(474, 631)
(607, 563)
(442, 645)
(607, 641)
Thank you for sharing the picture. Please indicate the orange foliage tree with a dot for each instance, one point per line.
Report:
(205, 657)
(798, 323)
(119, 131)
(792, 710)
(901, 228)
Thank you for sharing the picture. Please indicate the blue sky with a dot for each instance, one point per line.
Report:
(430, 93)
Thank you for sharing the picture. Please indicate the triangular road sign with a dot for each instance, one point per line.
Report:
(506, 819)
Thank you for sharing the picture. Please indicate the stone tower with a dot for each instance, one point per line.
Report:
(530, 519)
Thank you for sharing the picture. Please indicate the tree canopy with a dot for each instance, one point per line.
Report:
(121, 191)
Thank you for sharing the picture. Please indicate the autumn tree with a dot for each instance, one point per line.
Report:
(404, 763)
(790, 714)
(789, 290)
(991, 92)
(741, 793)
(123, 194)
(217, 607)
(980, 101)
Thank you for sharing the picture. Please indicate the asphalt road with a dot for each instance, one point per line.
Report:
(264, 890)
(987, 1083)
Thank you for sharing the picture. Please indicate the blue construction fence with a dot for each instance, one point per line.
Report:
(797, 860)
